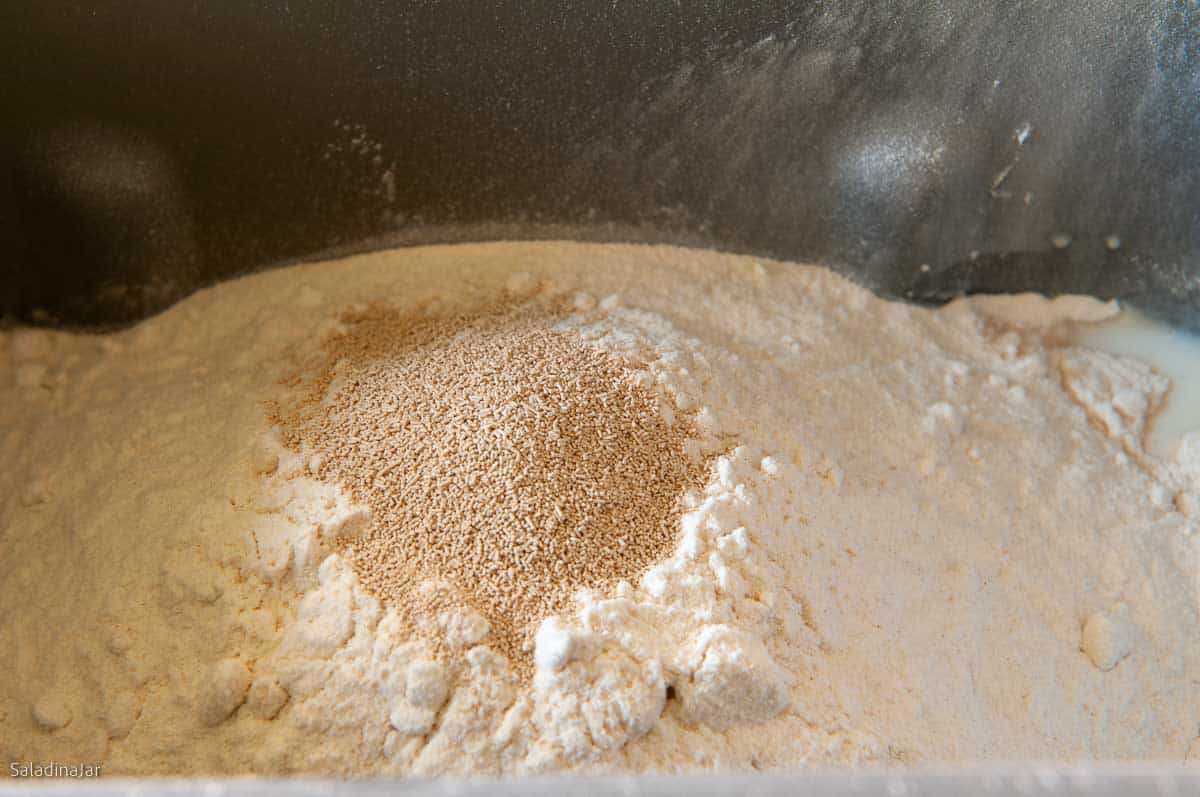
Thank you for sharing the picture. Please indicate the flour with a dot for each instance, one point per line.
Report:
(922, 536)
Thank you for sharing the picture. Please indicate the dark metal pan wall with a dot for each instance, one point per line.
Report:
(925, 149)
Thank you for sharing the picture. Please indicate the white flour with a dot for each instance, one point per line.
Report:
(932, 537)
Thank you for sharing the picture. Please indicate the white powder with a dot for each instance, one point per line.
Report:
(931, 537)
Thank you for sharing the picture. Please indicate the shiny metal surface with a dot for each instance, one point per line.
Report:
(996, 781)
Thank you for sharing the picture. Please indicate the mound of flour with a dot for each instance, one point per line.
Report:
(923, 536)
